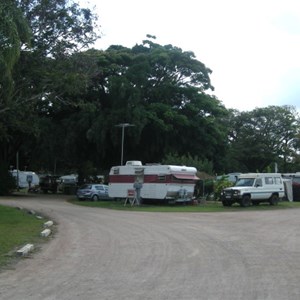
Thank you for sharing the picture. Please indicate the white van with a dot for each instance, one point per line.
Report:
(254, 188)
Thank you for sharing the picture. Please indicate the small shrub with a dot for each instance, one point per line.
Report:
(220, 185)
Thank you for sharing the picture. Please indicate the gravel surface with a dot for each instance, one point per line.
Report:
(106, 254)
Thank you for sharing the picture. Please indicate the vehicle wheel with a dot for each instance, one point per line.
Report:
(95, 198)
(274, 200)
(246, 201)
(226, 203)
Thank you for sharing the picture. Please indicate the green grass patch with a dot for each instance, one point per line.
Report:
(17, 228)
(209, 206)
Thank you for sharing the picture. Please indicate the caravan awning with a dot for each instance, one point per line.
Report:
(186, 176)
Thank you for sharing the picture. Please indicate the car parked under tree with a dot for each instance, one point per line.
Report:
(93, 192)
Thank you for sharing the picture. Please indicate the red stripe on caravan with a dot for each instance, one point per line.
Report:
(131, 178)
(121, 178)
(153, 179)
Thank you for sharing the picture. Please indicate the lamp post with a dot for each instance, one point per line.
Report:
(123, 125)
(17, 163)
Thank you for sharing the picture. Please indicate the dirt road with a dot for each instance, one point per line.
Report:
(107, 254)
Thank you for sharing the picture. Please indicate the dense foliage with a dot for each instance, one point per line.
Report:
(34, 37)
(7, 181)
(261, 138)
(60, 103)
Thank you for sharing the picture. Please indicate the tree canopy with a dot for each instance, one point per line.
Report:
(14, 31)
(60, 101)
(159, 89)
(35, 35)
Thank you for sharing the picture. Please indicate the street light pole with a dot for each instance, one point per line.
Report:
(17, 163)
(123, 125)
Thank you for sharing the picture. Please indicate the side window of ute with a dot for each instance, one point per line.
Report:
(269, 180)
(277, 180)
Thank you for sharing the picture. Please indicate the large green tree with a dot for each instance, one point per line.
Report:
(14, 31)
(66, 123)
(59, 28)
(162, 90)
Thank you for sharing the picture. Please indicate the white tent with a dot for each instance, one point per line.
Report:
(288, 187)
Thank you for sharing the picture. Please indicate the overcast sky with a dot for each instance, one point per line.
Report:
(252, 46)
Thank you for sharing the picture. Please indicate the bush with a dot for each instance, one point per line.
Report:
(7, 181)
(220, 185)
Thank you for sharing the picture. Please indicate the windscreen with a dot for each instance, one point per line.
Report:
(245, 182)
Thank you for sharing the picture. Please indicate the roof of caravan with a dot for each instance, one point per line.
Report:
(152, 169)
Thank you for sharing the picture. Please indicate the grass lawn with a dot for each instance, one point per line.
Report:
(17, 228)
(209, 206)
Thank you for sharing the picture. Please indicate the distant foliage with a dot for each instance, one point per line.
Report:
(187, 160)
(259, 138)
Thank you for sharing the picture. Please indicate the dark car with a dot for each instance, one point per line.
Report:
(93, 192)
(48, 183)
(296, 188)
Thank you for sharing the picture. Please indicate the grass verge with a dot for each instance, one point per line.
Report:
(209, 206)
(17, 228)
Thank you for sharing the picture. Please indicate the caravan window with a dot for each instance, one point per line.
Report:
(161, 177)
(139, 171)
(177, 179)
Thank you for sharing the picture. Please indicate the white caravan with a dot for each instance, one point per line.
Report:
(26, 179)
(156, 182)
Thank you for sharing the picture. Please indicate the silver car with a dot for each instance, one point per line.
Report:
(93, 192)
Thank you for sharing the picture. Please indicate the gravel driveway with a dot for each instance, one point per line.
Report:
(106, 254)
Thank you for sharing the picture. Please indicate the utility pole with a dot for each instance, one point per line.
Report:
(123, 125)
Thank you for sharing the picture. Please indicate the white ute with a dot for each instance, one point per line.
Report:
(254, 188)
